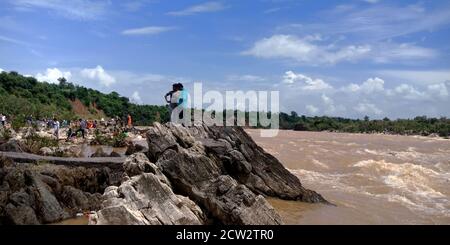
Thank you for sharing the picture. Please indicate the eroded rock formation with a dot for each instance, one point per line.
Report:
(189, 175)
(200, 175)
(41, 194)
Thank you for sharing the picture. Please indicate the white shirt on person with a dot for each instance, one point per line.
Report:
(175, 97)
(56, 125)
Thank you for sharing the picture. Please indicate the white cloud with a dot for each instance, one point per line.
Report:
(304, 50)
(312, 109)
(271, 10)
(330, 108)
(372, 1)
(408, 92)
(431, 92)
(418, 77)
(440, 90)
(1, 70)
(371, 85)
(390, 52)
(375, 22)
(148, 30)
(366, 108)
(98, 74)
(327, 100)
(51, 75)
(13, 40)
(245, 78)
(306, 83)
(201, 8)
(74, 9)
(136, 98)
(312, 50)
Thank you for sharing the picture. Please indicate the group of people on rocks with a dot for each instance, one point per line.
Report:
(175, 98)
(83, 126)
(80, 126)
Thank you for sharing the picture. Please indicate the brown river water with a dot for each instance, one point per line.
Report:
(372, 179)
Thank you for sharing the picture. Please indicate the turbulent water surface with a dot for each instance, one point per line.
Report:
(373, 179)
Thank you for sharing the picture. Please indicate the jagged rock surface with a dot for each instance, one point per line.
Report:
(195, 154)
(31, 194)
(145, 197)
(224, 171)
(191, 175)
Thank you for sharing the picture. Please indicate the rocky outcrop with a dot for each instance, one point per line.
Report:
(225, 172)
(221, 169)
(193, 156)
(40, 194)
(145, 197)
(190, 175)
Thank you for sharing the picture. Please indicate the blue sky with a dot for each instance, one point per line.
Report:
(338, 58)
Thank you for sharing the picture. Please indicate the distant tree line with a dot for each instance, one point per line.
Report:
(420, 125)
(22, 96)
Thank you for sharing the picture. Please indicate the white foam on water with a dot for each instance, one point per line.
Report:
(410, 185)
(411, 155)
(320, 164)
(328, 180)
(413, 185)
(374, 152)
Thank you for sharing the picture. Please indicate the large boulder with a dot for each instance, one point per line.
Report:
(203, 152)
(146, 198)
(19, 209)
(40, 194)
(225, 172)
(47, 206)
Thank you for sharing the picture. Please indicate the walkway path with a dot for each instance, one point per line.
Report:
(111, 162)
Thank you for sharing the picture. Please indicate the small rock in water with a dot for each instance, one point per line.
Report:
(114, 154)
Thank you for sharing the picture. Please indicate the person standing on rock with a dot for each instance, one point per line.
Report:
(129, 121)
(176, 98)
(30, 120)
(56, 127)
(171, 97)
(82, 128)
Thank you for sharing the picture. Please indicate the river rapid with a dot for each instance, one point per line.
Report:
(372, 178)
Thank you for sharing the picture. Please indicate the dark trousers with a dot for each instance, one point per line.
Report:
(80, 130)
